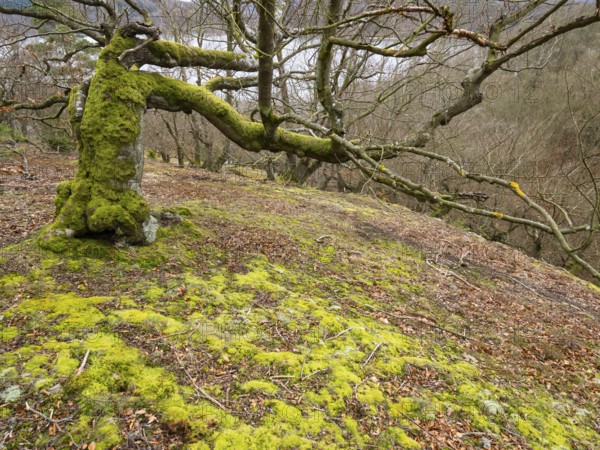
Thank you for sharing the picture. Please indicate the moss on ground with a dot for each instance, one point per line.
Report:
(210, 347)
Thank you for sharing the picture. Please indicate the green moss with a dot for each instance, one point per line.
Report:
(36, 366)
(150, 318)
(279, 359)
(259, 279)
(73, 265)
(53, 240)
(184, 54)
(70, 311)
(326, 254)
(114, 369)
(11, 280)
(63, 192)
(315, 328)
(47, 263)
(260, 386)
(154, 293)
(105, 432)
(66, 364)
(395, 437)
(10, 284)
(370, 395)
(594, 287)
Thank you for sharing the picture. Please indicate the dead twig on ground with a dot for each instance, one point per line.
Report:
(372, 354)
(448, 273)
(83, 363)
(49, 419)
(199, 389)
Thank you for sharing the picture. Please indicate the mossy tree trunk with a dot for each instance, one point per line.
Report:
(106, 115)
(105, 196)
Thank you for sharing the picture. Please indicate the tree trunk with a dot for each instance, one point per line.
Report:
(105, 196)
(165, 156)
(222, 159)
(304, 169)
(270, 169)
(174, 132)
(199, 146)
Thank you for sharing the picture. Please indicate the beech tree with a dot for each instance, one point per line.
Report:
(344, 45)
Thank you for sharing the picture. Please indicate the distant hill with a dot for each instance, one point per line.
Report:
(274, 317)
(15, 3)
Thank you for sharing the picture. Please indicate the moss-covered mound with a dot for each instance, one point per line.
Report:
(267, 317)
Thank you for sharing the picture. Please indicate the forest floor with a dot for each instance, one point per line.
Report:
(268, 316)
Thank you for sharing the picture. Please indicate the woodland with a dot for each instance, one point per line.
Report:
(299, 224)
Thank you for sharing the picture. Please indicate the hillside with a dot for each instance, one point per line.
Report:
(276, 317)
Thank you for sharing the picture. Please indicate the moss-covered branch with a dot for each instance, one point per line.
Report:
(176, 95)
(171, 54)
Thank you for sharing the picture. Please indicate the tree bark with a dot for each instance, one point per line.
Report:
(105, 196)
(174, 132)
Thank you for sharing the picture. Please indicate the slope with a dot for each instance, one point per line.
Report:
(274, 317)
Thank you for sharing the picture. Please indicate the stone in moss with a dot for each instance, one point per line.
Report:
(11, 394)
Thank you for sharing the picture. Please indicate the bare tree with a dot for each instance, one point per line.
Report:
(310, 77)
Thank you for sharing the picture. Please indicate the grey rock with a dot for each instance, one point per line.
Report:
(11, 394)
(486, 443)
(150, 227)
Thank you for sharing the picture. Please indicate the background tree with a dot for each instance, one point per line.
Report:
(319, 81)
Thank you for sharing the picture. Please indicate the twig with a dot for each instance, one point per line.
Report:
(477, 433)
(283, 386)
(339, 334)
(199, 388)
(423, 429)
(380, 201)
(189, 332)
(321, 239)
(372, 353)
(83, 363)
(417, 319)
(301, 370)
(140, 28)
(432, 325)
(56, 422)
(446, 273)
(311, 374)
(522, 284)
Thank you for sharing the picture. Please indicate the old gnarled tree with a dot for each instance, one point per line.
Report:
(342, 37)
